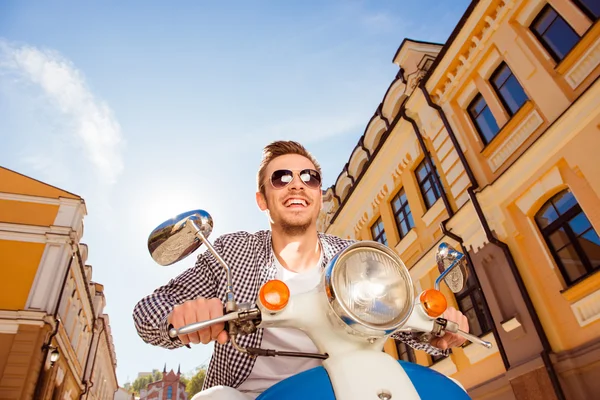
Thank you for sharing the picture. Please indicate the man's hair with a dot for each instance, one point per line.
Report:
(280, 148)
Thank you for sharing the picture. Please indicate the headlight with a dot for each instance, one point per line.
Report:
(369, 288)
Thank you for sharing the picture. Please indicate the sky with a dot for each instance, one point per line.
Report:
(147, 109)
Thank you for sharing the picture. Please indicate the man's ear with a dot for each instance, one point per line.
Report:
(261, 201)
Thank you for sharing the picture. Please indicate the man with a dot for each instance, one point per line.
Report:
(289, 191)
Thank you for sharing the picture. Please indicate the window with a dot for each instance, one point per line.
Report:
(555, 34)
(470, 303)
(169, 393)
(378, 233)
(572, 240)
(402, 214)
(405, 352)
(508, 89)
(429, 189)
(484, 120)
(591, 8)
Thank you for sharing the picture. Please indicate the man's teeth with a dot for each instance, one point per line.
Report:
(295, 201)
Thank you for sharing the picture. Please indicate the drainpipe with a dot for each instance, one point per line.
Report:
(547, 349)
(93, 363)
(446, 232)
(486, 307)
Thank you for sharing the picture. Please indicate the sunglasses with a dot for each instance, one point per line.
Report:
(282, 177)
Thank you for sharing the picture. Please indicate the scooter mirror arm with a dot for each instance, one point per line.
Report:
(230, 304)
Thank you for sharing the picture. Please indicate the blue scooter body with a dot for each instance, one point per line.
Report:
(315, 384)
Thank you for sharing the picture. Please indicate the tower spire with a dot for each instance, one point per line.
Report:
(179, 370)
(165, 369)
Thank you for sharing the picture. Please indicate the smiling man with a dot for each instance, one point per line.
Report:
(289, 192)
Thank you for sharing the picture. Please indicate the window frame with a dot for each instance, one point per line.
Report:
(474, 119)
(376, 237)
(562, 222)
(469, 290)
(541, 39)
(402, 211)
(586, 11)
(428, 177)
(498, 93)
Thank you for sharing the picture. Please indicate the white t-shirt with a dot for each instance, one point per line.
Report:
(268, 371)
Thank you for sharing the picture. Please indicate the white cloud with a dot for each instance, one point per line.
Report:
(93, 124)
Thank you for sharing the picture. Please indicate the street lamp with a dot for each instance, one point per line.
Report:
(54, 356)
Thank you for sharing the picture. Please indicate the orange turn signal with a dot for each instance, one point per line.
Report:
(274, 295)
(434, 302)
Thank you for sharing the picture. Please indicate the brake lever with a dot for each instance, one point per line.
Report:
(452, 327)
(240, 315)
(197, 326)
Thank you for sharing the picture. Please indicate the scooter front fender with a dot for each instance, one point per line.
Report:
(315, 384)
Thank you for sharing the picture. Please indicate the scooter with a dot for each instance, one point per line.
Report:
(365, 295)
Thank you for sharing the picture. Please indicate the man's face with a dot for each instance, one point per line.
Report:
(295, 207)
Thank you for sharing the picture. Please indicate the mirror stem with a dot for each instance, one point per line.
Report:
(439, 279)
(230, 304)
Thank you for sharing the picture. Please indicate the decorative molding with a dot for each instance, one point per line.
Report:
(518, 136)
(394, 95)
(45, 287)
(586, 64)
(530, 11)
(9, 328)
(433, 212)
(542, 243)
(406, 241)
(39, 230)
(379, 197)
(587, 310)
(476, 353)
(547, 183)
(358, 226)
(491, 62)
(445, 366)
(466, 56)
(29, 199)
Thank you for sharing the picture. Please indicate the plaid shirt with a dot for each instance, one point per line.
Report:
(250, 257)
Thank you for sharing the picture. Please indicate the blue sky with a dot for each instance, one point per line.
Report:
(149, 109)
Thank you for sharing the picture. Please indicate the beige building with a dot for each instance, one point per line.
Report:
(507, 113)
(50, 310)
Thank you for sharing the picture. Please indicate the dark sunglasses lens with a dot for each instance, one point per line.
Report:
(311, 178)
(281, 178)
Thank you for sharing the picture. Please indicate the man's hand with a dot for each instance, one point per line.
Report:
(449, 339)
(199, 310)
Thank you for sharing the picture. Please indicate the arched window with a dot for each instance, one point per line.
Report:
(170, 392)
(571, 238)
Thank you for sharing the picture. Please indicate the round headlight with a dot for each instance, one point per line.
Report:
(369, 288)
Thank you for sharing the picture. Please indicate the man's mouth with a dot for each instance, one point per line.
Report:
(295, 203)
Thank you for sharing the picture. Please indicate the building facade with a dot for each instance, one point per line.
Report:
(49, 304)
(488, 143)
(169, 387)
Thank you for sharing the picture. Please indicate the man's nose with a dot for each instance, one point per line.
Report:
(296, 183)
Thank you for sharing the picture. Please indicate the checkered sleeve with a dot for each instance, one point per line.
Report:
(409, 339)
(150, 313)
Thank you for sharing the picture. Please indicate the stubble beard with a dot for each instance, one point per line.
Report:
(292, 229)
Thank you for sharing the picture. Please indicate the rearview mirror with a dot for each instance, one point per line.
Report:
(176, 238)
(453, 265)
